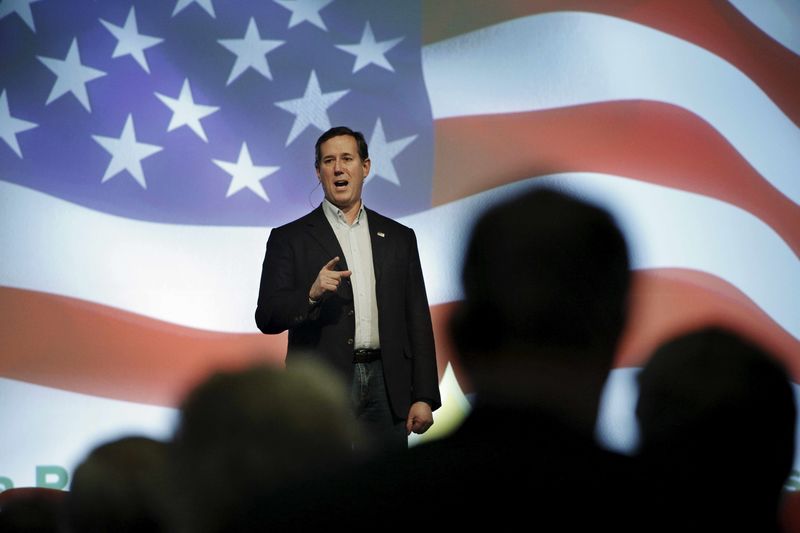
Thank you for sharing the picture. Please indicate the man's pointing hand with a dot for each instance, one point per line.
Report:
(328, 280)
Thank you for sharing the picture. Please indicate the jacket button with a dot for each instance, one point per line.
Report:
(349, 341)
(351, 313)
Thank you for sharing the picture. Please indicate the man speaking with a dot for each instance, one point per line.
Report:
(347, 284)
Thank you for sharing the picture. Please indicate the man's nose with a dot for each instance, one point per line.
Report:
(337, 166)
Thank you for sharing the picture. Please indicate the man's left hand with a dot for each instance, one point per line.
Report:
(420, 418)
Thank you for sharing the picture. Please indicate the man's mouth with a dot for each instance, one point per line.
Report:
(340, 183)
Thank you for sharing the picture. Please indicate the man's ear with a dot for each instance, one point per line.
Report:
(367, 166)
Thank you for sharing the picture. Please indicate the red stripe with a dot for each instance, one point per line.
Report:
(648, 141)
(669, 302)
(92, 349)
(711, 24)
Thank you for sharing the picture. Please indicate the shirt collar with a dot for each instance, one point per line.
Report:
(334, 214)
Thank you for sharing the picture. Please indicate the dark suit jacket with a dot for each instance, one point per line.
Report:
(295, 254)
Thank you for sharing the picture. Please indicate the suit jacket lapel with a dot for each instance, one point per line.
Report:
(320, 229)
(379, 239)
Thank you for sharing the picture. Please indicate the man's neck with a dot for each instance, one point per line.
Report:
(566, 385)
(349, 213)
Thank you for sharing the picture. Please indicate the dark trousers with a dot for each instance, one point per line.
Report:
(384, 431)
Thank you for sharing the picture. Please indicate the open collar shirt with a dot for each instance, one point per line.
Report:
(357, 247)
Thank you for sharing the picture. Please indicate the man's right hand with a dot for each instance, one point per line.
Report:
(328, 280)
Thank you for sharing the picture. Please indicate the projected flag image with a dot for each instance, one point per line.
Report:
(148, 147)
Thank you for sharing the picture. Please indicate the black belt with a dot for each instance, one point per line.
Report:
(364, 355)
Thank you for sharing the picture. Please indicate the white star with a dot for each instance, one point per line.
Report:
(21, 8)
(205, 4)
(185, 112)
(126, 153)
(369, 51)
(305, 10)
(10, 126)
(246, 174)
(382, 153)
(130, 41)
(251, 51)
(311, 108)
(71, 76)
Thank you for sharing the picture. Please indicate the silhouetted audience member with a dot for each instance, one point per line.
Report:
(717, 419)
(546, 281)
(31, 510)
(119, 488)
(246, 436)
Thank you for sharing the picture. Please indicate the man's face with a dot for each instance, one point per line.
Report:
(342, 171)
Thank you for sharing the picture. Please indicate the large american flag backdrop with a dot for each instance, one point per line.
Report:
(147, 146)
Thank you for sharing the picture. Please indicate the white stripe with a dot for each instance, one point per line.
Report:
(46, 426)
(617, 428)
(199, 276)
(207, 277)
(665, 228)
(780, 19)
(565, 59)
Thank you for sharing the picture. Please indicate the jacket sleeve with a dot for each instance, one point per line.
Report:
(282, 297)
(420, 332)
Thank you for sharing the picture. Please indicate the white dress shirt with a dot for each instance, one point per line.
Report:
(357, 247)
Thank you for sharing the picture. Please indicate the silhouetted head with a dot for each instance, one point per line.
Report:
(31, 510)
(546, 281)
(717, 420)
(119, 487)
(243, 435)
(543, 270)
